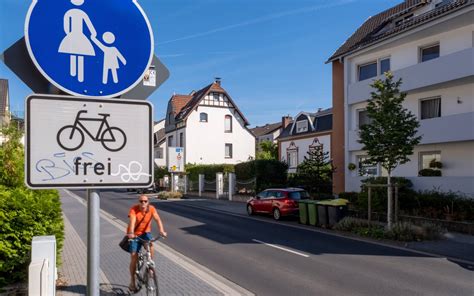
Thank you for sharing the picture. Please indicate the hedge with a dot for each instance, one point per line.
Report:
(267, 172)
(428, 204)
(23, 214)
(209, 170)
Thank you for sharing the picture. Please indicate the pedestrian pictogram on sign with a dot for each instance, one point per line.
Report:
(90, 47)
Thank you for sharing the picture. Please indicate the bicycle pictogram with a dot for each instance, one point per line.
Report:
(71, 137)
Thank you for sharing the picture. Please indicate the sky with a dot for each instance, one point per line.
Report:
(270, 54)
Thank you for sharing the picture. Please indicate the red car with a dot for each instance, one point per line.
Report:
(278, 202)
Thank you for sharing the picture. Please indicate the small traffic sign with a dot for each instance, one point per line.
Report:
(90, 48)
(81, 142)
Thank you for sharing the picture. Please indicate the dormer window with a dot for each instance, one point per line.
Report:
(301, 126)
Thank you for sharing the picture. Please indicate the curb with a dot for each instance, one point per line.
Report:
(215, 280)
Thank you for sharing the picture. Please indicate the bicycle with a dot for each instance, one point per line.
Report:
(71, 137)
(145, 274)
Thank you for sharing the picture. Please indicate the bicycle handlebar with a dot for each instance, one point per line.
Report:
(149, 241)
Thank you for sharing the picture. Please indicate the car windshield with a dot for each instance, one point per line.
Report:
(296, 195)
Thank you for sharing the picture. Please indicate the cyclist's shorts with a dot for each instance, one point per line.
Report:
(136, 244)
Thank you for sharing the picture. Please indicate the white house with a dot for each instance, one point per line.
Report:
(210, 127)
(308, 131)
(159, 143)
(429, 44)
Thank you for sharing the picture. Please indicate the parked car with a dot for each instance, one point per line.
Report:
(277, 202)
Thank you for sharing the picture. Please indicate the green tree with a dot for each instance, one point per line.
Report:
(315, 172)
(267, 150)
(390, 136)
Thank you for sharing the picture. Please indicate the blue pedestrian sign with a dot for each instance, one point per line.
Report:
(99, 48)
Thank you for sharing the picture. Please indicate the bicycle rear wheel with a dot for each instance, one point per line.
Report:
(151, 282)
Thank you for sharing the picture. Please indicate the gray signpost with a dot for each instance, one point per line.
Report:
(115, 61)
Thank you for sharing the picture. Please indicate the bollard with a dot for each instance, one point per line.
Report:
(201, 184)
(44, 247)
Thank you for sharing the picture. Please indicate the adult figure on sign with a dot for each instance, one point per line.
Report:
(75, 43)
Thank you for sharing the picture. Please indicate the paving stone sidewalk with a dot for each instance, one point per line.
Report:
(177, 274)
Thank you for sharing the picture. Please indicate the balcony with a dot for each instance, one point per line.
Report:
(451, 128)
(446, 68)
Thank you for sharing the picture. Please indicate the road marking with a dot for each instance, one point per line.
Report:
(280, 248)
(314, 229)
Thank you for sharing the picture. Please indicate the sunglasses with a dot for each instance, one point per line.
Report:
(143, 201)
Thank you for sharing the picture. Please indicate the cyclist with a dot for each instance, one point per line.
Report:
(140, 226)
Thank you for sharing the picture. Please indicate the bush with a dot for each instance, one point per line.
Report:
(401, 231)
(352, 197)
(379, 194)
(23, 214)
(168, 194)
(439, 205)
(429, 173)
(209, 170)
(268, 173)
(160, 172)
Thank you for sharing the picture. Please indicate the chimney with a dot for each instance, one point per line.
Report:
(218, 80)
(319, 110)
(285, 121)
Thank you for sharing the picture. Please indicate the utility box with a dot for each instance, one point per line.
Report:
(38, 278)
(44, 247)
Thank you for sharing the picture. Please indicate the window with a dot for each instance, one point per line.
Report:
(301, 126)
(181, 140)
(384, 65)
(428, 159)
(228, 124)
(364, 118)
(170, 141)
(374, 68)
(366, 168)
(297, 195)
(367, 71)
(228, 150)
(215, 96)
(430, 108)
(429, 53)
(203, 117)
(159, 153)
(292, 157)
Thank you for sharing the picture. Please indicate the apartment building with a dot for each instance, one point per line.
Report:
(429, 44)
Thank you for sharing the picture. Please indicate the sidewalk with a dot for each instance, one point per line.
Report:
(177, 274)
(453, 246)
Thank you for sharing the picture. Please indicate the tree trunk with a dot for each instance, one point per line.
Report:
(389, 201)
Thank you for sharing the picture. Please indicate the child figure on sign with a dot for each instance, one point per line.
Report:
(111, 57)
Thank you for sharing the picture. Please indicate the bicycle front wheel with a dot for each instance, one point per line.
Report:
(151, 282)
(70, 138)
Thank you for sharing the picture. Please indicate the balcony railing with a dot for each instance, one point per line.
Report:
(446, 68)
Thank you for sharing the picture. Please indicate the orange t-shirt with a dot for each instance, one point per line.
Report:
(145, 225)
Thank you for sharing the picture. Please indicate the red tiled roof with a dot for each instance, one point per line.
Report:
(371, 31)
(192, 100)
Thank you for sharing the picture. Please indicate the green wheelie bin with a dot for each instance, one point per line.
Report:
(312, 212)
(303, 211)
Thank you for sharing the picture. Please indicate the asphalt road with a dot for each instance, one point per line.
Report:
(278, 259)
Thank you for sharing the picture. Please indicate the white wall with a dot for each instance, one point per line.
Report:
(303, 147)
(205, 141)
(407, 54)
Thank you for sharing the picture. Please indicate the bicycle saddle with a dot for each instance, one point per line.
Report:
(103, 114)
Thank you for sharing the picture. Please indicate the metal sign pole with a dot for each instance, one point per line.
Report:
(93, 242)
